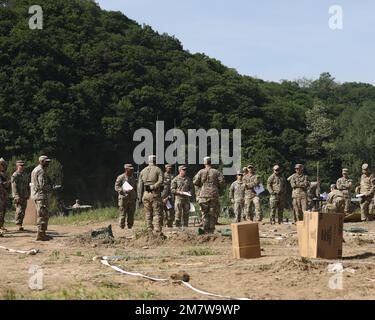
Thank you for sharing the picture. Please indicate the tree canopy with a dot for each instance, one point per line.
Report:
(78, 89)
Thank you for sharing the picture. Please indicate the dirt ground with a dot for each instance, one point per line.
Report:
(69, 271)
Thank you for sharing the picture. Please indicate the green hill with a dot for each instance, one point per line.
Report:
(78, 89)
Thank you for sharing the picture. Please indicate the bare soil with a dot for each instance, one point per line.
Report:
(70, 272)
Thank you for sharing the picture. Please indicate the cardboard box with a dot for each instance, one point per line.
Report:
(30, 214)
(245, 240)
(320, 235)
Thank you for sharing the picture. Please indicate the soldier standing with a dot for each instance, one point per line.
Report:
(40, 189)
(166, 195)
(209, 180)
(127, 196)
(149, 188)
(335, 201)
(237, 196)
(276, 186)
(299, 184)
(252, 181)
(4, 186)
(181, 185)
(20, 192)
(367, 189)
(344, 184)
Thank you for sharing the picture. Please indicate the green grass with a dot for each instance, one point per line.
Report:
(199, 252)
(98, 215)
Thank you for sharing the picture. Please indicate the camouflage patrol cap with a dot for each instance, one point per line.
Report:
(365, 166)
(44, 158)
(182, 167)
(128, 166)
(275, 167)
(20, 162)
(298, 166)
(2, 161)
(152, 158)
(244, 169)
(333, 186)
(250, 166)
(168, 166)
(345, 170)
(240, 173)
(207, 160)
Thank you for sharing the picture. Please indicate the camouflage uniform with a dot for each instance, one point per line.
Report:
(299, 184)
(20, 192)
(150, 184)
(40, 189)
(182, 202)
(367, 187)
(276, 186)
(237, 195)
(209, 181)
(4, 185)
(335, 202)
(169, 214)
(251, 198)
(126, 200)
(344, 185)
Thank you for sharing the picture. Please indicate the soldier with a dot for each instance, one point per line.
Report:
(299, 184)
(127, 196)
(252, 181)
(276, 186)
(20, 192)
(150, 185)
(169, 213)
(209, 180)
(40, 189)
(179, 186)
(335, 201)
(4, 186)
(237, 196)
(367, 189)
(344, 184)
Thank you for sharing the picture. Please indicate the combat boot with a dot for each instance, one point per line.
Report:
(41, 236)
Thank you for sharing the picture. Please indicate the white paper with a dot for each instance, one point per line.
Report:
(359, 195)
(192, 207)
(169, 205)
(186, 193)
(259, 189)
(126, 186)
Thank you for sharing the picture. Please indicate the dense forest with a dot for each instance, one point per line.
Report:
(78, 89)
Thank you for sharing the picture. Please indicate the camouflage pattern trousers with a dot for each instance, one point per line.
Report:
(347, 205)
(238, 208)
(20, 205)
(337, 206)
(182, 208)
(153, 208)
(248, 211)
(277, 208)
(299, 206)
(210, 212)
(42, 214)
(169, 215)
(126, 208)
(365, 207)
(3, 206)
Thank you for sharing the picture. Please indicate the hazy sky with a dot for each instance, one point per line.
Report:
(269, 39)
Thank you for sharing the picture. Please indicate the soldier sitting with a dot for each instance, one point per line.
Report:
(335, 201)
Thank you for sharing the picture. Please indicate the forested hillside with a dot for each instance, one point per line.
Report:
(78, 89)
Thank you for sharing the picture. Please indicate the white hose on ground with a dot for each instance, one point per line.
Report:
(105, 260)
